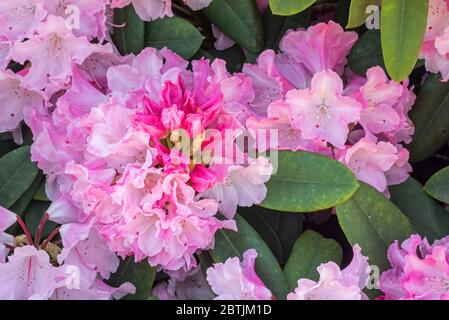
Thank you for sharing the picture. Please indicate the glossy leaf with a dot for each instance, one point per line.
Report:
(373, 222)
(230, 244)
(430, 115)
(426, 215)
(17, 173)
(239, 20)
(403, 26)
(309, 252)
(289, 7)
(174, 33)
(307, 182)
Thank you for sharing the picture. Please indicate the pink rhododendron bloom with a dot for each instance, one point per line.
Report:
(319, 48)
(17, 101)
(322, 112)
(435, 48)
(336, 284)
(91, 15)
(235, 280)
(20, 17)
(28, 274)
(370, 161)
(244, 186)
(51, 51)
(419, 271)
(7, 219)
(153, 9)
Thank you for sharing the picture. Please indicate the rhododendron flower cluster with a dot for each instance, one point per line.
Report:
(419, 270)
(435, 50)
(301, 92)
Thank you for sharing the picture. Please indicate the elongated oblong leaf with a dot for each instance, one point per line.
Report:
(239, 20)
(140, 274)
(230, 244)
(430, 115)
(307, 182)
(373, 222)
(426, 215)
(175, 33)
(289, 7)
(310, 250)
(17, 173)
(129, 35)
(358, 12)
(438, 186)
(403, 26)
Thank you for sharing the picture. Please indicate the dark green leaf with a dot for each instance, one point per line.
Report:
(276, 26)
(239, 20)
(430, 115)
(175, 33)
(20, 205)
(33, 215)
(307, 182)
(366, 53)
(438, 186)
(140, 274)
(403, 26)
(310, 250)
(426, 215)
(373, 222)
(230, 244)
(17, 173)
(129, 36)
(40, 194)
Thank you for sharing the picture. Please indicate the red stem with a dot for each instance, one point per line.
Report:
(50, 237)
(25, 229)
(40, 229)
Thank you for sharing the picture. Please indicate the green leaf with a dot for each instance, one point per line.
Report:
(438, 186)
(175, 33)
(239, 20)
(426, 215)
(403, 25)
(140, 274)
(289, 7)
(279, 230)
(267, 232)
(310, 250)
(33, 215)
(276, 26)
(373, 222)
(307, 182)
(234, 57)
(430, 115)
(129, 36)
(366, 53)
(17, 173)
(357, 12)
(40, 194)
(20, 205)
(230, 244)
